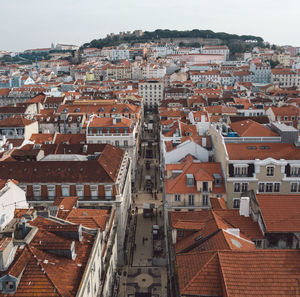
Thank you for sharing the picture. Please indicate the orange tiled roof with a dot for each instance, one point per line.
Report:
(281, 213)
(250, 128)
(108, 122)
(218, 203)
(177, 185)
(286, 110)
(90, 218)
(41, 138)
(43, 273)
(16, 121)
(266, 273)
(252, 151)
(70, 138)
(220, 109)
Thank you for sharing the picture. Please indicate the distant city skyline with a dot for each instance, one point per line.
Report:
(36, 24)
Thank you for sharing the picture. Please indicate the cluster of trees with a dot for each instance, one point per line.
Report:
(228, 39)
(29, 58)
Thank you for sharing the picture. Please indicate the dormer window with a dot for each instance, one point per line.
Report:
(8, 286)
(51, 191)
(108, 191)
(36, 190)
(190, 180)
(65, 190)
(94, 191)
(80, 191)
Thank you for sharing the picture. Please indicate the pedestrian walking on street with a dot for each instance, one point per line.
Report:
(160, 213)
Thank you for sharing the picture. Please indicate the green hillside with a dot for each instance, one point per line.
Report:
(236, 43)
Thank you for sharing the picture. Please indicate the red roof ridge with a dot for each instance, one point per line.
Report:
(223, 275)
(213, 256)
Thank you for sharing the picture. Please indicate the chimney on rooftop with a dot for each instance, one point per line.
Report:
(245, 206)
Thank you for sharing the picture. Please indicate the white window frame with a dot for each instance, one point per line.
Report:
(205, 199)
(79, 190)
(108, 191)
(235, 201)
(51, 189)
(269, 186)
(191, 199)
(177, 197)
(270, 170)
(63, 189)
(94, 191)
(259, 187)
(294, 186)
(243, 187)
(36, 190)
(236, 187)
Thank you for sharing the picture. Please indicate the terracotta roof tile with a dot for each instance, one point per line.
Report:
(249, 128)
(266, 273)
(262, 150)
(16, 121)
(281, 213)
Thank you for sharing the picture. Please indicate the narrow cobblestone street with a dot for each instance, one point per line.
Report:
(145, 273)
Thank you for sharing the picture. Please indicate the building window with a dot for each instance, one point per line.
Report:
(180, 232)
(36, 191)
(258, 242)
(108, 191)
(51, 191)
(117, 143)
(236, 187)
(204, 200)
(236, 203)
(65, 190)
(191, 199)
(277, 187)
(9, 286)
(125, 143)
(94, 191)
(293, 187)
(240, 171)
(177, 197)
(244, 187)
(295, 171)
(261, 187)
(270, 171)
(79, 191)
(269, 187)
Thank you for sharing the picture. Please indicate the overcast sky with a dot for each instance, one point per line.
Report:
(37, 23)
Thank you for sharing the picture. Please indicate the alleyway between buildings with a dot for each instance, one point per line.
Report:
(145, 274)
